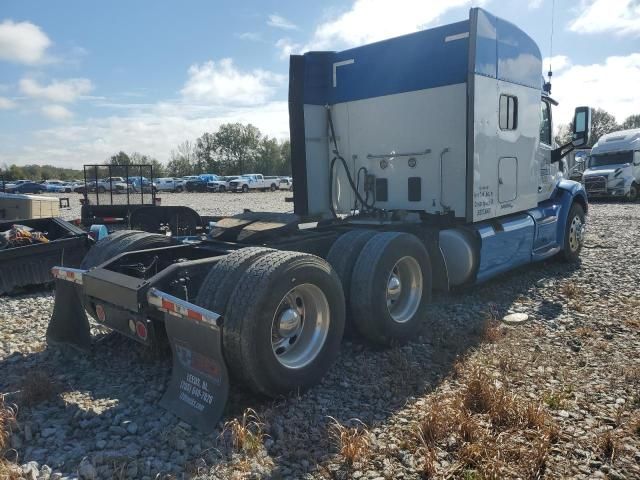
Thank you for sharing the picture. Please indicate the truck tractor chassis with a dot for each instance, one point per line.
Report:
(408, 180)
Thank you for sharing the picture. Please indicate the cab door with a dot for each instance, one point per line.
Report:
(547, 172)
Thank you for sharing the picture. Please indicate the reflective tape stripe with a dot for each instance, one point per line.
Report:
(181, 308)
(69, 274)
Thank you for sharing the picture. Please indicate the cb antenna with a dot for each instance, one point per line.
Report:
(547, 85)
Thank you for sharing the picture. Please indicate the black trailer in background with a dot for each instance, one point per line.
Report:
(29, 263)
(125, 195)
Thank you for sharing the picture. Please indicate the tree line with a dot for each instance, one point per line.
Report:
(602, 122)
(233, 149)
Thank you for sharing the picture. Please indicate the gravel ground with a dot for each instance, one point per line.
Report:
(209, 204)
(575, 361)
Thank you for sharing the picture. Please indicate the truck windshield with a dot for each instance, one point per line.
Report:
(614, 158)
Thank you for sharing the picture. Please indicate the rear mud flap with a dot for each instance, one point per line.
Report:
(69, 324)
(199, 384)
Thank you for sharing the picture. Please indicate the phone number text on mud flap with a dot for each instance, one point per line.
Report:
(192, 390)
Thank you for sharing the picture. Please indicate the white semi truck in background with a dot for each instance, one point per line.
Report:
(613, 167)
(423, 162)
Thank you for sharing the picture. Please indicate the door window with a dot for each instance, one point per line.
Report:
(545, 123)
(508, 112)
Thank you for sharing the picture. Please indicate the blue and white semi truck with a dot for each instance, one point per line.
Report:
(421, 162)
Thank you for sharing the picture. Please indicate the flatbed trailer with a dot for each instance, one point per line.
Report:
(31, 264)
(459, 184)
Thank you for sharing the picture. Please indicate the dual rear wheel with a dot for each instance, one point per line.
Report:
(283, 317)
(387, 281)
(284, 312)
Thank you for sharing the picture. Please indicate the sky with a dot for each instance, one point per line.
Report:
(82, 80)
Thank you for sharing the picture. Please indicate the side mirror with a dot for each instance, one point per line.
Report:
(581, 126)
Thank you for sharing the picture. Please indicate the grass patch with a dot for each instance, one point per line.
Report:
(247, 433)
(634, 425)
(353, 443)
(8, 421)
(492, 329)
(557, 400)
(570, 291)
(486, 431)
(36, 387)
(607, 445)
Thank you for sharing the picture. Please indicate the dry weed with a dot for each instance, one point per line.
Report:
(8, 470)
(634, 425)
(247, 433)
(434, 424)
(570, 290)
(7, 423)
(353, 442)
(492, 329)
(479, 393)
(554, 400)
(584, 332)
(607, 445)
(632, 376)
(36, 387)
(427, 463)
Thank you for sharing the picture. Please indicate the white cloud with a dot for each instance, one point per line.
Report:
(22, 42)
(252, 36)
(213, 94)
(557, 62)
(371, 20)
(57, 91)
(612, 85)
(56, 112)
(6, 104)
(279, 21)
(287, 47)
(149, 129)
(620, 17)
(221, 83)
(534, 4)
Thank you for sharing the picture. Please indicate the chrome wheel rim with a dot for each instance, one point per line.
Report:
(404, 289)
(300, 326)
(576, 233)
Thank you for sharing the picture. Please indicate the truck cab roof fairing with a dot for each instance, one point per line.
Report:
(421, 60)
(503, 51)
(425, 59)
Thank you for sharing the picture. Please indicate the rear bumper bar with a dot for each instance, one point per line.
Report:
(157, 299)
(199, 385)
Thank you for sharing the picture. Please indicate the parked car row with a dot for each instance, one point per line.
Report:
(208, 182)
(193, 183)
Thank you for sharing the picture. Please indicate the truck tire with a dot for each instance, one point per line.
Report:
(298, 293)
(342, 256)
(273, 187)
(178, 189)
(223, 277)
(120, 242)
(633, 192)
(102, 190)
(573, 234)
(391, 288)
(245, 188)
(222, 189)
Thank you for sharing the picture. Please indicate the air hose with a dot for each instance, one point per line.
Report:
(337, 156)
